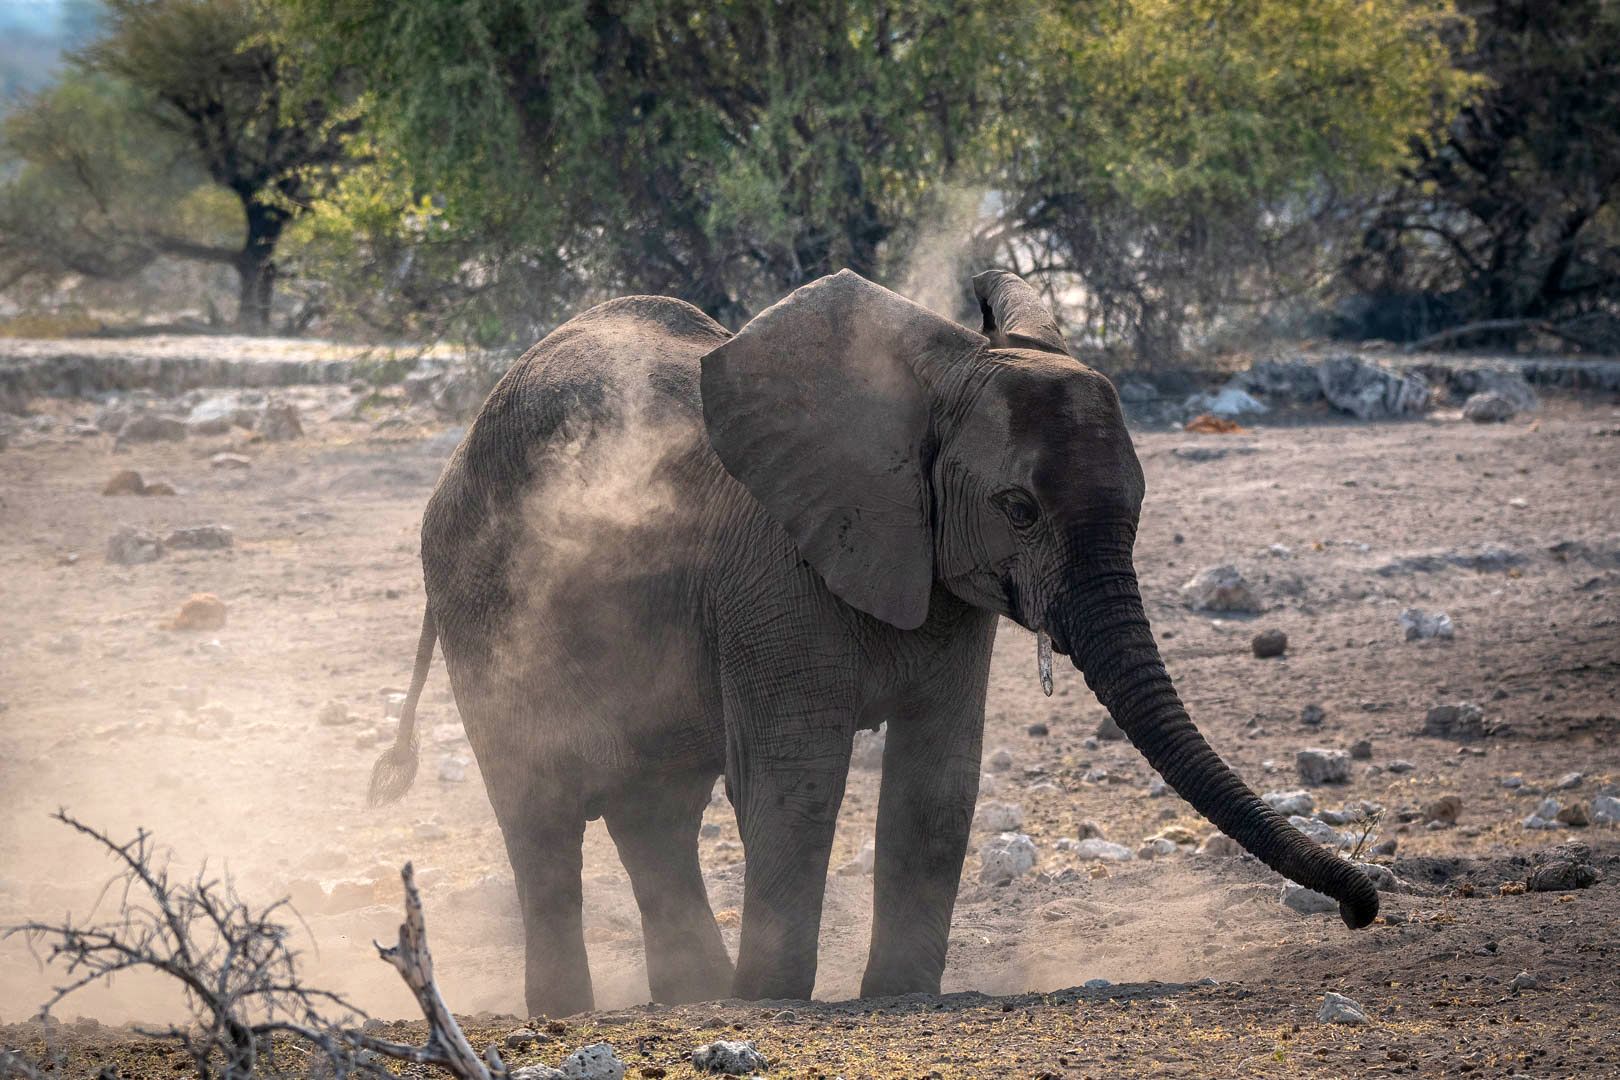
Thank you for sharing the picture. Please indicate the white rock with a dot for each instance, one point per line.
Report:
(1158, 789)
(1228, 402)
(1156, 848)
(1289, 803)
(1606, 810)
(731, 1058)
(1220, 588)
(1488, 407)
(1005, 857)
(863, 862)
(537, 1072)
(1306, 901)
(1320, 831)
(597, 1061)
(1321, 766)
(453, 770)
(1371, 392)
(1419, 625)
(1338, 1009)
(1094, 847)
(999, 817)
(1569, 781)
(1545, 816)
(1382, 877)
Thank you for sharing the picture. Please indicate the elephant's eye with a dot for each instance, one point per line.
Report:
(1019, 506)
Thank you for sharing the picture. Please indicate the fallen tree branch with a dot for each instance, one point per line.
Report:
(1540, 326)
(447, 1046)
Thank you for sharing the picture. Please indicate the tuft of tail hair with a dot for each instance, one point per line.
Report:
(394, 771)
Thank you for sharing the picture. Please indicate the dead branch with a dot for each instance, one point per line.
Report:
(233, 963)
(1540, 326)
(447, 1046)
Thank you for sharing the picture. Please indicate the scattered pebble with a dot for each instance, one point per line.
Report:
(1312, 716)
(1005, 857)
(1574, 815)
(1220, 845)
(125, 482)
(597, 1061)
(1269, 643)
(1338, 1009)
(1097, 848)
(1096, 984)
(1108, 729)
(1418, 625)
(280, 423)
(999, 817)
(867, 753)
(1563, 868)
(1038, 730)
(1000, 760)
(201, 537)
(131, 546)
(1158, 789)
(1545, 815)
(731, 1058)
(1361, 750)
(1524, 981)
(864, 862)
(201, 611)
(1444, 809)
(1306, 901)
(453, 770)
(1220, 588)
(1400, 765)
(1321, 766)
(1569, 781)
(230, 461)
(522, 1038)
(1606, 810)
(1320, 831)
(1463, 720)
(1488, 407)
(1289, 803)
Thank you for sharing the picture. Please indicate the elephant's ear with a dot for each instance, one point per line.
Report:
(817, 409)
(1014, 316)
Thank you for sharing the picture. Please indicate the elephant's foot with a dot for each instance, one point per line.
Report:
(893, 982)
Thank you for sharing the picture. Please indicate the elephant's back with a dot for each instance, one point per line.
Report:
(587, 444)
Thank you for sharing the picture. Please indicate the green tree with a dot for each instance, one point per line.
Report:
(720, 151)
(177, 96)
(1509, 216)
(1164, 155)
(1182, 159)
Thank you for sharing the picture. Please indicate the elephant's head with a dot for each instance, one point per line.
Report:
(900, 451)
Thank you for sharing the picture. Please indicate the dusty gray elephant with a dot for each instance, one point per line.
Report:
(664, 553)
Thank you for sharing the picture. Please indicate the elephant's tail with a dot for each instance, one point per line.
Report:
(392, 775)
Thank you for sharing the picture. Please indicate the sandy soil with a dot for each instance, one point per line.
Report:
(214, 740)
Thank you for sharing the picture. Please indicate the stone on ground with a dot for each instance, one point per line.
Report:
(1444, 809)
(1463, 720)
(1095, 847)
(1307, 901)
(1488, 407)
(1419, 625)
(1108, 728)
(230, 461)
(1545, 815)
(1220, 588)
(867, 753)
(1000, 759)
(131, 546)
(1269, 643)
(1007, 856)
(1559, 869)
(124, 482)
(597, 1061)
(1370, 392)
(201, 537)
(1288, 803)
(279, 422)
(999, 817)
(1606, 810)
(1320, 831)
(151, 427)
(1338, 1009)
(1321, 766)
(730, 1058)
(1220, 845)
(201, 611)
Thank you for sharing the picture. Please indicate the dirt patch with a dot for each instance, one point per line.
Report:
(216, 740)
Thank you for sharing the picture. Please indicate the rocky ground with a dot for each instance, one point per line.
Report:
(242, 729)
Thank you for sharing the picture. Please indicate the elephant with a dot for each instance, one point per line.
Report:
(665, 553)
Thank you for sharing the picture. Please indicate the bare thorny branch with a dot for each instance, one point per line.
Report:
(238, 974)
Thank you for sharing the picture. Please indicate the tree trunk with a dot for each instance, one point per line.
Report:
(256, 267)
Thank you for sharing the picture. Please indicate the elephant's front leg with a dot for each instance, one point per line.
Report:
(925, 812)
(787, 758)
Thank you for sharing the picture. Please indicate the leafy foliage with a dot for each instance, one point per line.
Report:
(180, 101)
(1511, 213)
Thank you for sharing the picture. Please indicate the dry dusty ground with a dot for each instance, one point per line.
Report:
(213, 740)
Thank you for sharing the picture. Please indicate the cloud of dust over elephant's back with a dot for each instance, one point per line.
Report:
(941, 261)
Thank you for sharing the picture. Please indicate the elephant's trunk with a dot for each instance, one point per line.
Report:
(1100, 622)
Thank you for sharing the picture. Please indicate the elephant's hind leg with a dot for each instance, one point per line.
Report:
(543, 821)
(654, 822)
